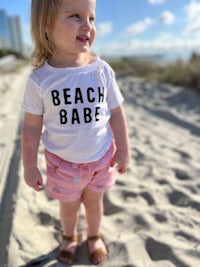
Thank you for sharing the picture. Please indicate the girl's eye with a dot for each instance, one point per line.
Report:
(92, 19)
(75, 16)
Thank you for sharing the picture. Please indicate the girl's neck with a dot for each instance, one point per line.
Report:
(79, 60)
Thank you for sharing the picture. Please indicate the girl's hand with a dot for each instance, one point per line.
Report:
(33, 178)
(121, 158)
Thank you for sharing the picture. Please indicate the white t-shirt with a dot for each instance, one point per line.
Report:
(76, 104)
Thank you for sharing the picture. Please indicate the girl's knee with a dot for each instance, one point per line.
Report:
(92, 199)
(70, 207)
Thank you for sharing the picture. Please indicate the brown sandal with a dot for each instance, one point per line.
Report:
(65, 254)
(98, 252)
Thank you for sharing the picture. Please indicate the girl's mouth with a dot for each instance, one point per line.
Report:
(83, 39)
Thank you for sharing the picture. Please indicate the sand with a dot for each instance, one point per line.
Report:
(151, 214)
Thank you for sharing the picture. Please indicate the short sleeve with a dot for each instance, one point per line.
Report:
(32, 102)
(114, 96)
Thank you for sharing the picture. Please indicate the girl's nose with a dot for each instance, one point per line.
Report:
(87, 25)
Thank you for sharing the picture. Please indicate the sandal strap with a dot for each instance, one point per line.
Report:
(70, 238)
(94, 237)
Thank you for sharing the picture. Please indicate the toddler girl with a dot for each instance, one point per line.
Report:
(75, 97)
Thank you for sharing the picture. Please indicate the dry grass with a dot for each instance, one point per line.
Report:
(182, 73)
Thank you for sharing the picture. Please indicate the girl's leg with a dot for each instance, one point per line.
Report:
(69, 216)
(93, 202)
(69, 220)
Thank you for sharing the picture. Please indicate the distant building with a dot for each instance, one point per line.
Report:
(16, 34)
(10, 33)
(4, 31)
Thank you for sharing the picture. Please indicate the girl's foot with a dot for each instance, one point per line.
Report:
(97, 250)
(67, 250)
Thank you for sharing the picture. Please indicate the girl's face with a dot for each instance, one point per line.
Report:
(74, 30)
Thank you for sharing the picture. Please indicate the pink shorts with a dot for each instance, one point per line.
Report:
(67, 180)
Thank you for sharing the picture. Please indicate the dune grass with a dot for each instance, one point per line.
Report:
(183, 73)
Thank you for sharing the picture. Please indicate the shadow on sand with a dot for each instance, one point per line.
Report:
(49, 260)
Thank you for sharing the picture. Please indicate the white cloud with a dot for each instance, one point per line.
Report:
(139, 26)
(192, 11)
(167, 17)
(165, 43)
(104, 28)
(154, 2)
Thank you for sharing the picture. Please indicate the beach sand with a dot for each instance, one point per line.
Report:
(152, 214)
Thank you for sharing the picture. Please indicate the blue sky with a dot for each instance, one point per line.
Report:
(135, 27)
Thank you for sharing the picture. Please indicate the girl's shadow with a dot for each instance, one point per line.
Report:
(49, 260)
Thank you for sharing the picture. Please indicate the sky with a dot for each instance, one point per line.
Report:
(135, 27)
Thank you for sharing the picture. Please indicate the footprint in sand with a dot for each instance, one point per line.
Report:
(182, 175)
(160, 251)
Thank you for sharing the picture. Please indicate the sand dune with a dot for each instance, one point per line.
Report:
(151, 214)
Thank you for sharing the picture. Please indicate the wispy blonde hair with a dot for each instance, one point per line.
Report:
(43, 14)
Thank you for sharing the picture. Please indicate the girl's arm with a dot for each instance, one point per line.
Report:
(31, 134)
(120, 132)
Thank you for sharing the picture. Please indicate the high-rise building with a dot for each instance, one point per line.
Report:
(4, 31)
(15, 34)
(10, 32)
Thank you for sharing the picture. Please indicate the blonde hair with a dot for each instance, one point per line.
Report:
(43, 14)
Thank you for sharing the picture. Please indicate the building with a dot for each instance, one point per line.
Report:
(16, 34)
(4, 31)
(10, 33)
